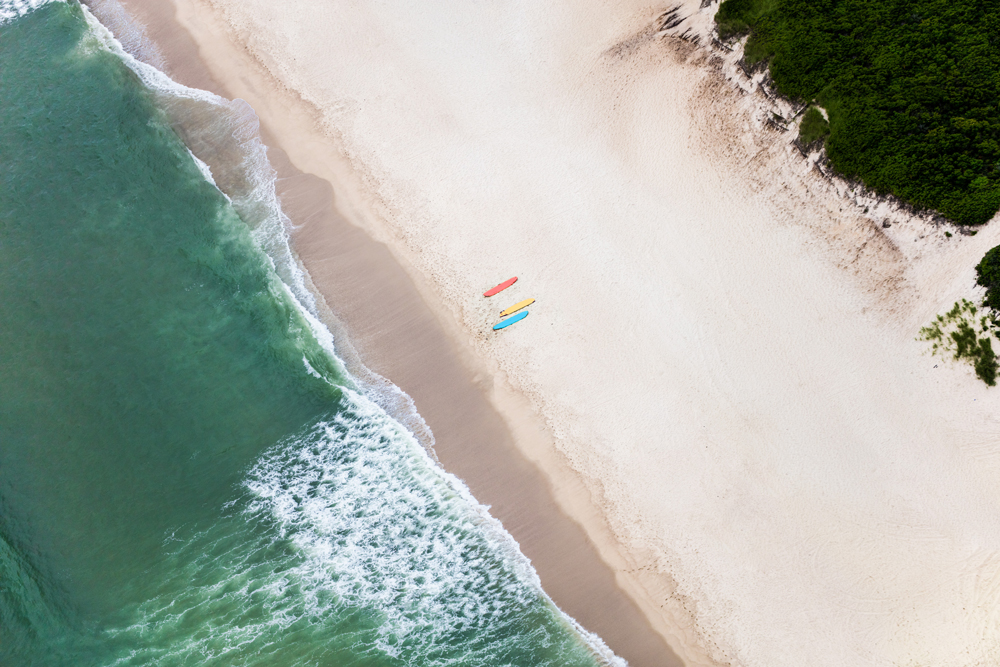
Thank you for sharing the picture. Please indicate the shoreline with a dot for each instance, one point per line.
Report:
(370, 295)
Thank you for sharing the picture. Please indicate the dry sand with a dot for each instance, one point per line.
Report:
(723, 345)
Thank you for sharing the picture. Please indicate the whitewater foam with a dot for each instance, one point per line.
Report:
(12, 9)
(350, 502)
(350, 520)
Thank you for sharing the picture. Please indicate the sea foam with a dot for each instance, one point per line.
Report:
(12, 9)
(350, 530)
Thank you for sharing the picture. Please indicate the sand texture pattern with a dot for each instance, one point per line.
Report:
(722, 349)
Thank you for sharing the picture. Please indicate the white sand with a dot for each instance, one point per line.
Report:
(722, 345)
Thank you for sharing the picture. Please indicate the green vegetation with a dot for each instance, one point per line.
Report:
(814, 126)
(912, 88)
(963, 333)
(988, 275)
(957, 334)
(735, 17)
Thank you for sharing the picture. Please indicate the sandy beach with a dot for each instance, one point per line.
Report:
(715, 436)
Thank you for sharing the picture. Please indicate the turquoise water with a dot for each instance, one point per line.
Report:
(188, 476)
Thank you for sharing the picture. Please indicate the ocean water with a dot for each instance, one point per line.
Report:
(188, 474)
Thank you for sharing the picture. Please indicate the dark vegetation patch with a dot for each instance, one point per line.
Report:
(964, 335)
(988, 275)
(814, 126)
(912, 89)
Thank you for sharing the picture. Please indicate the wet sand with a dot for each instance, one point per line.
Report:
(393, 332)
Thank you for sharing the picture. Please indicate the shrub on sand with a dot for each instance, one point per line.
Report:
(964, 336)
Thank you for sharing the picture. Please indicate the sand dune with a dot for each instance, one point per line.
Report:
(723, 344)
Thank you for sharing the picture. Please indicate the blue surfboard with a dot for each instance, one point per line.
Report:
(510, 320)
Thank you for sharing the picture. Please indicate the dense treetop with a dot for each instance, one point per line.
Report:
(912, 88)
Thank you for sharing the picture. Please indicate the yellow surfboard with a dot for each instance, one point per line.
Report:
(517, 306)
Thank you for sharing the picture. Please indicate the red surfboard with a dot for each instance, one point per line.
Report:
(501, 287)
